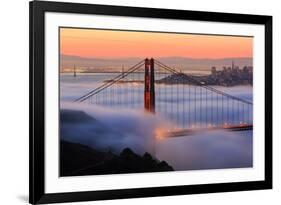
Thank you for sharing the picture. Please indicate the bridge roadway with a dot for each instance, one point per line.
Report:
(190, 131)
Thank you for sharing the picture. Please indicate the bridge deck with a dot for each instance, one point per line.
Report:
(190, 131)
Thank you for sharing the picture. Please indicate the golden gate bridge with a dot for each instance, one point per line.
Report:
(178, 97)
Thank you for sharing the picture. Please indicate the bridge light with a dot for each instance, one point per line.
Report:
(160, 133)
(159, 137)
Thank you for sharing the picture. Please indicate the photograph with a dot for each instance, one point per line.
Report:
(133, 101)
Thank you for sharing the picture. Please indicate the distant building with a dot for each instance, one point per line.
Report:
(245, 69)
(250, 68)
(214, 70)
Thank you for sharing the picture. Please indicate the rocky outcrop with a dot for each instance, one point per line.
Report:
(78, 160)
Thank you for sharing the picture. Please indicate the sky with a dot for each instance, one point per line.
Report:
(95, 43)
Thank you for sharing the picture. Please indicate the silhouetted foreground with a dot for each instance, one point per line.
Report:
(77, 160)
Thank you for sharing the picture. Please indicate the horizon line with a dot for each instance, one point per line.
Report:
(113, 58)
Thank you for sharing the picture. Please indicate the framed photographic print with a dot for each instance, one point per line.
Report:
(140, 102)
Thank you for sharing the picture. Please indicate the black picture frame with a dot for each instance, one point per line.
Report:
(37, 10)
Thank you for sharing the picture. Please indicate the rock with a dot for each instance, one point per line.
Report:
(79, 160)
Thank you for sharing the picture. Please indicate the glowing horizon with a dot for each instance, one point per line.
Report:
(124, 44)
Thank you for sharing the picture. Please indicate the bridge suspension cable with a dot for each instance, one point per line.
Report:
(185, 102)
(196, 82)
(110, 82)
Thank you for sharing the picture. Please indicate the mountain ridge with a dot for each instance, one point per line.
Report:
(67, 62)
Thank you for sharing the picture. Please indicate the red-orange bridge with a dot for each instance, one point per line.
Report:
(178, 97)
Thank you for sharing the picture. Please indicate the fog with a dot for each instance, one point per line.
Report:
(113, 129)
(129, 126)
(208, 150)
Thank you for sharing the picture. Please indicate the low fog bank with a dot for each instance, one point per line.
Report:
(108, 129)
(113, 130)
(208, 150)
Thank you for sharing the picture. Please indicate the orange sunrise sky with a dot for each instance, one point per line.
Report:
(118, 44)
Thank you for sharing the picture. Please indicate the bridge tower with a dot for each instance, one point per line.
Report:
(74, 71)
(149, 91)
